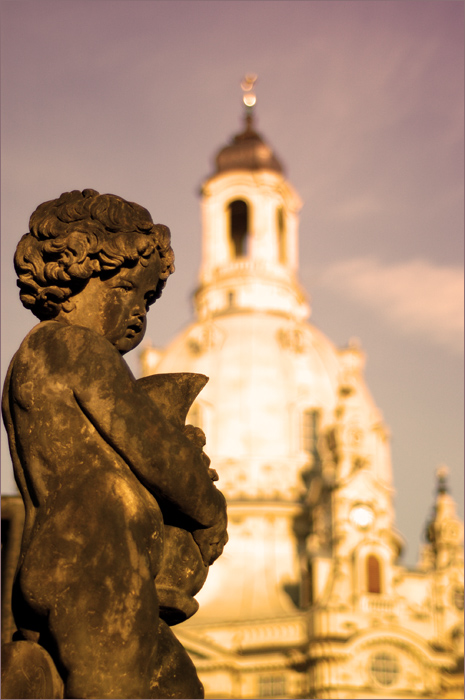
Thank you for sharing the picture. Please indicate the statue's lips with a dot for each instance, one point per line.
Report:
(134, 329)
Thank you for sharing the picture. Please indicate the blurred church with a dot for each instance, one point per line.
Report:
(309, 598)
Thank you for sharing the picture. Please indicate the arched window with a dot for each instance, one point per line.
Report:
(373, 574)
(239, 228)
(281, 231)
(310, 421)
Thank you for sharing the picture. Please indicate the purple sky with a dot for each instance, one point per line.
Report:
(363, 102)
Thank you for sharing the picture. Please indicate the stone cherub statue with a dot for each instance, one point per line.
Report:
(122, 516)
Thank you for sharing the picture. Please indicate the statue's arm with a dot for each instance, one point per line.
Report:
(158, 453)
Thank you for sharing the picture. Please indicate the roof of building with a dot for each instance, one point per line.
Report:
(247, 151)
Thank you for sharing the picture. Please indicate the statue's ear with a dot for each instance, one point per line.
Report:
(68, 306)
(174, 393)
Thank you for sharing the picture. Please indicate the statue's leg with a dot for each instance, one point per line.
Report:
(102, 627)
(175, 676)
(90, 574)
(107, 638)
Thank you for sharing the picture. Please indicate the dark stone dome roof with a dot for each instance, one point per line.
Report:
(247, 151)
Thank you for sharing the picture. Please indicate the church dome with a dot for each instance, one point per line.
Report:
(265, 371)
(247, 151)
(284, 408)
(268, 372)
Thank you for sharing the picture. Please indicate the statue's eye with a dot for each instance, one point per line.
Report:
(124, 286)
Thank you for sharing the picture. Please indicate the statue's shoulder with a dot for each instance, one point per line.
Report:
(61, 345)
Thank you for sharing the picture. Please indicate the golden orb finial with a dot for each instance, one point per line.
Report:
(248, 97)
(442, 472)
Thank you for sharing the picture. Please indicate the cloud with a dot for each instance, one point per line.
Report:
(415, 297)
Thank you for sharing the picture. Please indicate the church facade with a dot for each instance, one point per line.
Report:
(309, 598)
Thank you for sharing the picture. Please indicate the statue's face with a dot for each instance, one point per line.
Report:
(116, 307)
(126, 300)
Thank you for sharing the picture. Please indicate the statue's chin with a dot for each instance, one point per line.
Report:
(126, 344)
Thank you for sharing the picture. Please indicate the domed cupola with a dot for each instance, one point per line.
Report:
(250, 230)
(248, 151)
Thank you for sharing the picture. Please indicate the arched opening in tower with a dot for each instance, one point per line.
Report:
(281, 230)
(239, 228)
(373, 574)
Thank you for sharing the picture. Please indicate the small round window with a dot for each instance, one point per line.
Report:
(384, 668)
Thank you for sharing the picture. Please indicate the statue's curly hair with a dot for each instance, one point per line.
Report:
(81, 234)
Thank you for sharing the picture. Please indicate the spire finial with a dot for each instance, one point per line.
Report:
(442, 473)
(248, 97)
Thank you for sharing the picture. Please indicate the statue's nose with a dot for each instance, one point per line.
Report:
(139, 309)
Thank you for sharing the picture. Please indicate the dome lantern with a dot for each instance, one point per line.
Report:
(247, 150)
(250, 229)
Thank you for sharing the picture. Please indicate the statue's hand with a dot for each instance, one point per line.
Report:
(197, 437)
(211, 540)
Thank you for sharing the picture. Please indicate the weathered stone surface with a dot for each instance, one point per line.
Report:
(122, 516)
(12, 532)
(182, 571)
(28, 671)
